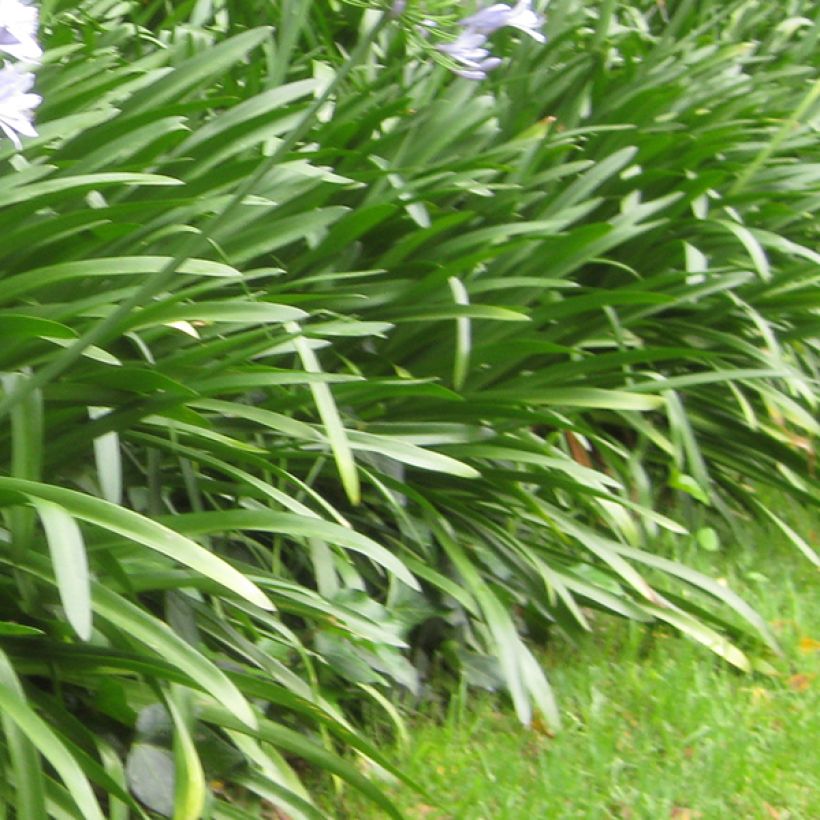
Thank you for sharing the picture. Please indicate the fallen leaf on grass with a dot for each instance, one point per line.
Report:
(777, 814)
(630, 718)
(681, 813)
(423, 810)
(800, 683)
(760, 694)
(539, 725)
(624, 741)
(809, 644)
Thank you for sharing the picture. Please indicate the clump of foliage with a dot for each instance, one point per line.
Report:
(321, 362)
(652, 727)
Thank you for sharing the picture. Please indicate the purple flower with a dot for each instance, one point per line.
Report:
(468, 50)
(500, 15)
(18, 30)
(17, 104)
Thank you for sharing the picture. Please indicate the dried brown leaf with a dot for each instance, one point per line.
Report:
(800, 682)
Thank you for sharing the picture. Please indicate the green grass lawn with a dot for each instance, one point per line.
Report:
(654, 725)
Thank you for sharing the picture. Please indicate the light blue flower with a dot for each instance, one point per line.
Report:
(501, 15)
(18, 30)
(468, 50)
(17, 104)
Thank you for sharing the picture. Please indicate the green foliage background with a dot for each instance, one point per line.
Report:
(324, 370)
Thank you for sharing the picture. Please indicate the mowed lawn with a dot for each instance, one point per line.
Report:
(654, 725)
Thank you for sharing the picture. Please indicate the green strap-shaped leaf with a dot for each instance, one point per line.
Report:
(25, 762)
(331, 419)
(243, 114)
(30, 193)
(794, 537)
(68, 557)
(461, 359)
(15, 708)
(279, 795)
(189, 785)
(142, 530)
(145, 628)
(707, 584)
(524, 677)
(698, 630)
(240, 312)
(108, 460)
(197, 69)
(297, 744)
(104, 268)
(296, 526)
